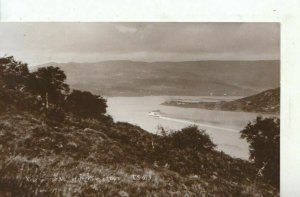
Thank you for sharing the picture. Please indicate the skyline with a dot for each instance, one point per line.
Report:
(39, 43)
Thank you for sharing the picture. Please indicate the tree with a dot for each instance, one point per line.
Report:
(13, 74)
(263, 137)
(85, 104)
(49, 83)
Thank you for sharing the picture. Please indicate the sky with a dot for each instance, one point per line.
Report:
(38, 43)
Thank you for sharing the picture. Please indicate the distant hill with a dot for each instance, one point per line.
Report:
(130, 78)
(264, 102)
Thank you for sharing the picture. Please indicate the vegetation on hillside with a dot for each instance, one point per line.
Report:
(55, 143)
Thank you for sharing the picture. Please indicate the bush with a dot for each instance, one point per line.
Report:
(191, 137)
(186, 151)
(263, 137)
(85, 104)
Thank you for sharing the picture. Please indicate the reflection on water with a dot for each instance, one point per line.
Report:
(222, 126)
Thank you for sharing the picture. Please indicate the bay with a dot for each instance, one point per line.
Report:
(222, 126)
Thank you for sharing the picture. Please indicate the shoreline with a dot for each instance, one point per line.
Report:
(224, 110)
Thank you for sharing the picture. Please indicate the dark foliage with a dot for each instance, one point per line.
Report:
(45, 92)
(49, 82)
(85, 104)
(21, 100)
(54, 115)
(264, 138)
(13, 74)
(192, 138)
(13, 79)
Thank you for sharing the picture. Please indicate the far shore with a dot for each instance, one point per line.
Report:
(195, 106)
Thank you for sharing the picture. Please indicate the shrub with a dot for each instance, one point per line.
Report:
(85, 104)
(191, 137)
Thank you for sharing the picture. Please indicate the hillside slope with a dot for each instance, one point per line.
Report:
(95, 158)
(264, 102)
(129, 78)
(57, 142)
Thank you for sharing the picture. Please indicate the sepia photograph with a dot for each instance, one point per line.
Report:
(140, 109)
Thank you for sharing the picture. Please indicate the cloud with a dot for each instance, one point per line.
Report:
(42, 42)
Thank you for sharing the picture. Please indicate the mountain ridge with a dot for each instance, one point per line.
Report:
(193, 78)
(149, 62)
